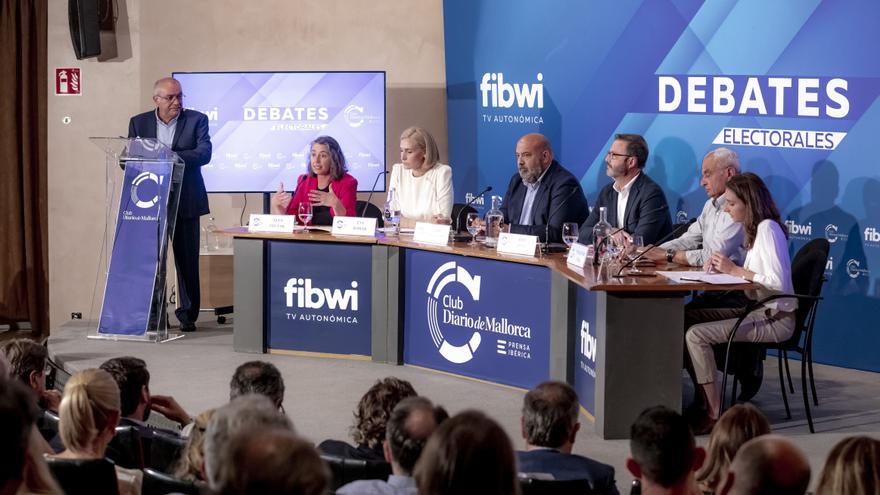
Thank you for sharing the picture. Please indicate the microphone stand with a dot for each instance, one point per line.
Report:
(370, 196)
(652, 246)
(456, 235)
(546, 249)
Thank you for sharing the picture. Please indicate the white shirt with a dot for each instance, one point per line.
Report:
(165, 132)
(713, 231)
(622, 198)
(420, 198)
(768, 259)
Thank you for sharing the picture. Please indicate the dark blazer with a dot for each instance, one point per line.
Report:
(193, 144)
(342, 449)
(557, 186)
(569, 467)
(647, 212)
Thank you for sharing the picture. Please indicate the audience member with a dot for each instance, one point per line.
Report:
(633, 202)
(272, 461)
(467, 454)
(248, 413)
(28, 363)
(852, 468)
(549, 427)
(133, 379)
(189, 466)
(542, 195)
(89, 414)
(737, 425)
(258, 377)
(664, 454)
(422, 185)
(22, 468)
(411, 423)
(370, 417)
(769, 464)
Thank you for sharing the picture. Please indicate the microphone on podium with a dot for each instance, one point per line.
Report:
(675, 233)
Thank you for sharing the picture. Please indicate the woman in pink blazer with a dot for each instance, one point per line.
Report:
(327, 186)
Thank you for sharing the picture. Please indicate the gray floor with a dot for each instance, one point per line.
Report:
(321, 393)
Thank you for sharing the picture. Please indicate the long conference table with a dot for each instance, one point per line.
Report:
(467, 311)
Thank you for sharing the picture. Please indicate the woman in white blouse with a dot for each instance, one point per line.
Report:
(422, 185)
(768, 264)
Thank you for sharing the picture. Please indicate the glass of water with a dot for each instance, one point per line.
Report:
(472, 222)
(636, 245)
(569, 233)
(304, 212)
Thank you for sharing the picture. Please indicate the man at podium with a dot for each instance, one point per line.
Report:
(186, 133)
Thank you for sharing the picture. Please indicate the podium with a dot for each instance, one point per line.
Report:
(142, 191)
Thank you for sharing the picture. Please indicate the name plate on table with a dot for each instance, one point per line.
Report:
(579, 255)
(271, 223)
(517, 244)
(354, 226)
(431, 233)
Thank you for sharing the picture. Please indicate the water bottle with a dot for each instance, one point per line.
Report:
(494, 218)
(212, 239)
(601, 231)
(391, 214)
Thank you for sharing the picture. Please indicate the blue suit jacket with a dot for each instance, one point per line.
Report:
(557, 186)
(569, 467)
(647, 212)
(193, 144)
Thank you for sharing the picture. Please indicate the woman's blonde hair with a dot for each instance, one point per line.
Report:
(424, 140)
(853, 466)
(189, 466)
(91, 397)
(736, 426)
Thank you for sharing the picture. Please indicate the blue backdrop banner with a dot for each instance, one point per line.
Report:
(319, 297)
(481, 318)
(137, 247)
(791, 86)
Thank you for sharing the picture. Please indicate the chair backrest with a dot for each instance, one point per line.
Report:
(156, 483)
(84, 476)
(165, 450)
(126, 448)
(807, 277)
(533, 486)
(460, 210)
(47, 423)
(369, 210)
(346, 470)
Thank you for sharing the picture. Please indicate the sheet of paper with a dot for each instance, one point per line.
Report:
(690, 277)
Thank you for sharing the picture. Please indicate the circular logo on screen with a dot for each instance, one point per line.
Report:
(450, 273)
(354, 115)
(831, 233)
(138, 182)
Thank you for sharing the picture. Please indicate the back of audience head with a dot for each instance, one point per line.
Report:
(736, 426)
(27, 362)
(189, 466)
(89, 412)
(248, 413)
(375, 407)
(411, 423)
(549, 416)
(18, 413)
(852, 467)
(257, 377)
(273, 461)
(663, 449)
(468, 453)
(133, 379)
(769, 464)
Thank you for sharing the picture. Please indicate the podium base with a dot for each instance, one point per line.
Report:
(153, 337)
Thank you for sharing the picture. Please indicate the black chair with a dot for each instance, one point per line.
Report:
(84, 476)
(126, 448)
(346, 470)
(164, 451)
(459, 215)
(156, 483)
(47, 423)
(807, 269)
(369, 210)
(534, 486)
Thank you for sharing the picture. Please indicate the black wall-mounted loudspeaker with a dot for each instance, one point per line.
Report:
(84, 27)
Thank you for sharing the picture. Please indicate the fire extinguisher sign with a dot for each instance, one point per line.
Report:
(68, 81)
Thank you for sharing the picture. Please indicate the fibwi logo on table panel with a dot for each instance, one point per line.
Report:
(589, 348)
(320, 304)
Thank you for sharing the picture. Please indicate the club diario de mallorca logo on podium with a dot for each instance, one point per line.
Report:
(449, 310)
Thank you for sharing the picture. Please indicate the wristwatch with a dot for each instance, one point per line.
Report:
(670, 255)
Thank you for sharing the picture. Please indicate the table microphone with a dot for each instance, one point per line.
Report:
(555, 210)
(458, 217)
(675, 233)
(602, 243)
(370, 196)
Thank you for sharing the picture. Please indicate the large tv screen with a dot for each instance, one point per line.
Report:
(261, 124)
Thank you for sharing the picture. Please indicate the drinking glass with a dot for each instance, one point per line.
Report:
(636, 244)
(472, 222)
(304, 212)
(569, 233)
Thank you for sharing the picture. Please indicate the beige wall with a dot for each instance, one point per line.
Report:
(157, 37)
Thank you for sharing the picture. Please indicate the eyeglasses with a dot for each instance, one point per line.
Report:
(170, 98)
(614, 155)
